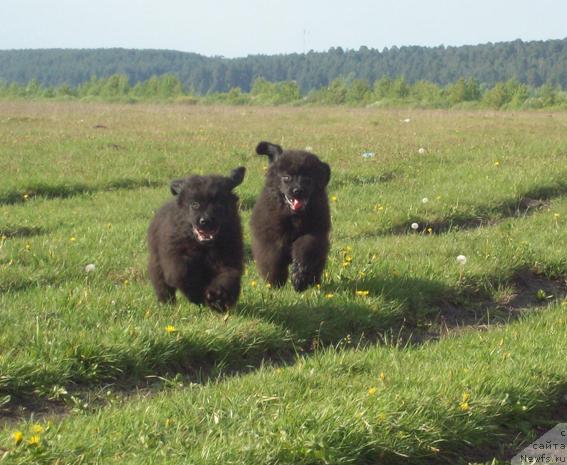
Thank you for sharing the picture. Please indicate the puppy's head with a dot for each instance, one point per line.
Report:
(295, 175)
(206, 203)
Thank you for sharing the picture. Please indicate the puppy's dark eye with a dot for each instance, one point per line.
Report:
(286, 178)
(195, 205)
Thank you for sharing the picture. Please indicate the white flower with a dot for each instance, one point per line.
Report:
(414, 226)
(461, 259)
(424, 200)
(421, 151)
(406, 120)
(90, 267)
(368, 155)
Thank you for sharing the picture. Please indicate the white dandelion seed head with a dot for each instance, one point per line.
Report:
(90, 268)
(421, 151)
(414, 226)
(461, 259)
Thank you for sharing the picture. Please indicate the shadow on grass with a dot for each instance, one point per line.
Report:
(530, 202)
(62, 191)
(397, 310)
(346, 179)
(22, 231)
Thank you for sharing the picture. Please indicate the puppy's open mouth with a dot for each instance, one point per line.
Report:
(203, 235)
(296, 205)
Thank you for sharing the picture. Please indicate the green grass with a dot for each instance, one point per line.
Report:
(285, 377)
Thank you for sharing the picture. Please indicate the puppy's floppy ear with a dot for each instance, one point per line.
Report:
(236, 177)
(325, 174)
(267, 148)
(176, 186)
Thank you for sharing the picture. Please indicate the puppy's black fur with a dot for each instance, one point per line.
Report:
(291, 221)
(195, 242)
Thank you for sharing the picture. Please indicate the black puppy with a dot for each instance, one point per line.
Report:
(291, 221)
(195, 242)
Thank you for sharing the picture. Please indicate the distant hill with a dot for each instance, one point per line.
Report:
(534, 63)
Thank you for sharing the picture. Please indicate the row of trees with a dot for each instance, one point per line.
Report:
(534, 63)
(385, 91)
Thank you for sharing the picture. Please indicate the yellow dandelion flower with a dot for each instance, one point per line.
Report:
(362, 293)
(37, 429)
(496, 163)
(464, 406)
(346, 264)
(269, 286)
(28, 246)
(348, 258)
(556, 216)
(429, 230)
(329, 295)
(170, 329)
(72, 238)
(34, 440)
(253, 283)
(17, 436)
(466, 396)
(333, 198)
(382, 376)
(372, 391)
(126, 282)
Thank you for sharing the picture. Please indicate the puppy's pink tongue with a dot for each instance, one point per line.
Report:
(296, 204)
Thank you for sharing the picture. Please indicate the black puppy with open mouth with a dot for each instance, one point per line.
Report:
(195, 242)
(291, 220)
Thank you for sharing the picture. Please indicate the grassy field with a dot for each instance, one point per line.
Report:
(403, 355)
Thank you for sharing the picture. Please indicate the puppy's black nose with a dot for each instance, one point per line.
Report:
(205, 222)
(297, 191)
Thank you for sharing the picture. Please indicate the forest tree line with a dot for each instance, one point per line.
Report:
(534, 63)
(384, 92)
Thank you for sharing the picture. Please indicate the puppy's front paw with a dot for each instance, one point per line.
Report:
(219, 298)
(302, 277)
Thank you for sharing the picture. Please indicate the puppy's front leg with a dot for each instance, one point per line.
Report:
(223, 291)
(308, 255)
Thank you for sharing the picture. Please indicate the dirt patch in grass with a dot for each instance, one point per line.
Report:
(528, 292)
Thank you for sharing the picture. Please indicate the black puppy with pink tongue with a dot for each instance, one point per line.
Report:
(291, 221)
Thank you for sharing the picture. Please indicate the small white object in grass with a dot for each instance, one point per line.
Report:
(414, 226)
(421, 151)
(90, 268)
(406, 120)
(309, 148)
(368, 155)
(424, 200)
(461, 259)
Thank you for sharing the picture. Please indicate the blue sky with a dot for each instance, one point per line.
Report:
(238, 28)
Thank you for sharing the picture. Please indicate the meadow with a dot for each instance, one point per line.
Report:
(403, 354)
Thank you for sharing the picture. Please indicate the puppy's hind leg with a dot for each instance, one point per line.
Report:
(272, 263)
(164, 293)
(308, 258)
